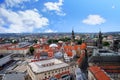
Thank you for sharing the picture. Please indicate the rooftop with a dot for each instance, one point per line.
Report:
(46, 65)
(98, 73)
(111, 68)
(14, 76)
(5, 59)
(105, 59)
(20, 68)
(104, 52)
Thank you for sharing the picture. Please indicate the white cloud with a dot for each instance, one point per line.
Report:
(60, 13)
(21, 21)
(35, 9)
(1, 22)
(94, 20)
(49, 31)
(12, 3)
(2, 29)
(55, 6)
(36, 0)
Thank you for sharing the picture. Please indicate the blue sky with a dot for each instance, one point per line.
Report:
(46, 16)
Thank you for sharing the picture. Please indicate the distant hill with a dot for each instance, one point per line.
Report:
(7, 35)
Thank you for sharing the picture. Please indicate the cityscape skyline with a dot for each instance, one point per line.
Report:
(59, 40)
(56, 16)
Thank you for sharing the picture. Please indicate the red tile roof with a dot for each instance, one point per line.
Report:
(7, 46)
(75, 47)
(83, 46)
(18, 48)
(58, 76)
(98, 73)
(69, 53)
(112, 69)
(50, 54)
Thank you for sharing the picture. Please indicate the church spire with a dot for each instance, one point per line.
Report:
(73, 35)
(100, 39)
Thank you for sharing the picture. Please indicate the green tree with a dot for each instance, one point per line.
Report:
(55, 40)
(31, 50)
(106, 43)
(79, 41)
(65, 39)
(52, 41)
(35, 41)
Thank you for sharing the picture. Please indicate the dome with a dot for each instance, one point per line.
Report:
(53, 45)
(58, 55)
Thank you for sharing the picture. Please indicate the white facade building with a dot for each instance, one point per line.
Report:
(44, 70)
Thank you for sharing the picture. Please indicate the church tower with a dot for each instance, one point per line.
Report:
(73, 35)
(100, 40)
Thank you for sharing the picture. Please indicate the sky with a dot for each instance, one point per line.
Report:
(54, 16)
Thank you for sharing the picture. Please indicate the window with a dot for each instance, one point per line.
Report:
(48, 72)
(45, 73)
(45, 77)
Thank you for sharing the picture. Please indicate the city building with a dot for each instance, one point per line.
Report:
(4, 48)
(107, 60)
(20, 48)
(46, 69)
